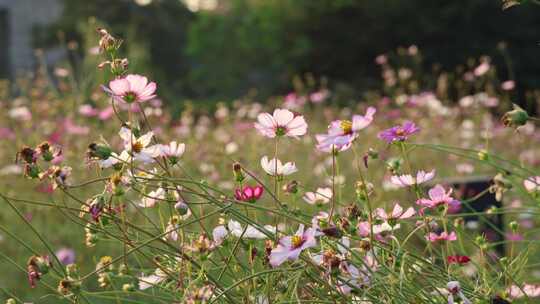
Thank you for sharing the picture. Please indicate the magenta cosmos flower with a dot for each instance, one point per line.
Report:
(248, 193)
(132, 88)
(399, 132)
(290, 247)
(281, 123)
(341, 133)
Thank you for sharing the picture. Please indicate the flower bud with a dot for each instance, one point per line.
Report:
(515, 118)
(11, 301)
(291, 187)
(513, 226)
(181, 207)
(128, 287)
(237, 171)
(483, 154)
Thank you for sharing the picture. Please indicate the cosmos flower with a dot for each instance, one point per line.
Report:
(152, 198)
(281, 123)
(444, 236)
(114, 159)
(341, 133)
(139, 147)
(532, 184)
(529, 290)
(157, 277)
(399, 132)
(248, 193)
(458, 259)
(438, 196)
(66, 256)
(454, 289)
(319, 197)
(406, 180)
(275, 167)
(132, 88)
(290, 247)
(397, 213)
(236, 229)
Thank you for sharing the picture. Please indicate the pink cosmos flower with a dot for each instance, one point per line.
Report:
(66, 256)
(508, 85)
(281, 123)
(248, 193)
(341, 133)
(399, 132)
(444, 236)
(88, 110)
(437, 196)
(532, 184)
(407, 180)
(319, 197)
(290, 247)
(132, 88)
(397, 213)
(481, 69)
(530, 290)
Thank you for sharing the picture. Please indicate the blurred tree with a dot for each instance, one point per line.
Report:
(263, 43)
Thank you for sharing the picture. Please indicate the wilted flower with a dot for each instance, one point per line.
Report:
(454, 289)
(281, 123)
(290, 247)
(132, 88)
(37, 266)
(399, 132)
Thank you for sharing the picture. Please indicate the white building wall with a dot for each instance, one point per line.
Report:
(23, 15)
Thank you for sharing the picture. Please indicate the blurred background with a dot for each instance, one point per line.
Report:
(222, 49)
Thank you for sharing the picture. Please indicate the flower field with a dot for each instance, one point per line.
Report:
(110, 195)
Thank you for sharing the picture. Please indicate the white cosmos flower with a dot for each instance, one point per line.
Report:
(275, 167)
(236, 229)
(149, 281)
(173, 149)
(114, 159)
(406, 180)
(138, 146)
(281, 123)
(152, 198)
(319, 197)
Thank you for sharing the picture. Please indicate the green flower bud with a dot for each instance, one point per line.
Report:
(515, 118)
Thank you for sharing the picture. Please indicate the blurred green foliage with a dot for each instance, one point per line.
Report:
(263, 44)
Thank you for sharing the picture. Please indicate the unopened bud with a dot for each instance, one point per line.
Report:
(515, 118)
(237, 171)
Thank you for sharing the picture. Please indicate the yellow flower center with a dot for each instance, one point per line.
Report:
(137, 147)
(297, 241)
(400, 132)
(346, 126)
